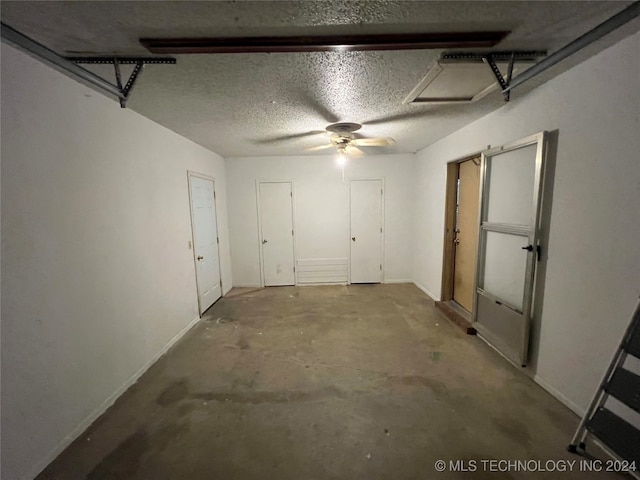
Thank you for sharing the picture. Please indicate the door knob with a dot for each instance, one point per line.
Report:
(353, 238)
(529, 248)
(264, 240)
(200, 257)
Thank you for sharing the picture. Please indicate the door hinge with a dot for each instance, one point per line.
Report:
(380, 266)
(292, 233)
(380, 229)
(291, 194)
(214, 194)
(381, 192)
(218, 240)
(294, 269)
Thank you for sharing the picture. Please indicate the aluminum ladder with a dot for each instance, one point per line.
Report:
(619, 438)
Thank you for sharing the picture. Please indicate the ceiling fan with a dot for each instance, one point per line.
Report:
(342, 137)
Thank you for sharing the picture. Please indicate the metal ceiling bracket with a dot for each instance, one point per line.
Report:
(498, 56)
(608, 26)
(132, 79)
(123, 60)
(126, 90)
(139, 63)
(70, 65)
(504, 83)
(131, 82)
(116, 67)
(47, 55)
(512, 60)
(492, 59)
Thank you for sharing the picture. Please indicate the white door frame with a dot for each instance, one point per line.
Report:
(293, 226)
(190, 174)
(382, 222)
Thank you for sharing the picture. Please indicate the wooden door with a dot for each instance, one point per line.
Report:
(466, 233)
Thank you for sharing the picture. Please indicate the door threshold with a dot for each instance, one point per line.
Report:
(457, 315)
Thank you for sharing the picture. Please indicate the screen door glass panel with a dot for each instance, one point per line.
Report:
(505, 267)
(510, 186)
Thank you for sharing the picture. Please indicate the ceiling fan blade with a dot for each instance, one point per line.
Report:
(354, 151)
(319, 147)
(288, 137)
(317, 106)
(399, 117)
(373, 142)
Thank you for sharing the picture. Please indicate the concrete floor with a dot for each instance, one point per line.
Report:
(359, 382)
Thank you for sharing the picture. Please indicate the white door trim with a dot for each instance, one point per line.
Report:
(191, 174)
(293, 225)
(382, 222)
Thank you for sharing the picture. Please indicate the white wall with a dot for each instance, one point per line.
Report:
(97, 277)
(322, 208)
(592, 278)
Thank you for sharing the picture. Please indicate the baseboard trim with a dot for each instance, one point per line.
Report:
(429, 294)
(93, 416)
(559, 396)
(540, 381)
(397, 280)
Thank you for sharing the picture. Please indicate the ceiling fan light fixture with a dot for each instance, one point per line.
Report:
(346, 142)
(341, 158)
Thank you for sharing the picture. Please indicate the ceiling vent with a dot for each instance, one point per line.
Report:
(463, 79)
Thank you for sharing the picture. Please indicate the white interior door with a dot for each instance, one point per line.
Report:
(366, 231)
(276, 230)
(511, 181)
(205, 239)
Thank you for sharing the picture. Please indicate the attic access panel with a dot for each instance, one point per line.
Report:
(451, 81)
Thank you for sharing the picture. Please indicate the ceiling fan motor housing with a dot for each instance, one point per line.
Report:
(343, 127)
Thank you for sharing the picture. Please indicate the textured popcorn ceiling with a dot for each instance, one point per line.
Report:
(236, 104)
